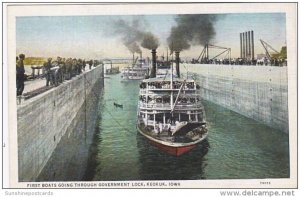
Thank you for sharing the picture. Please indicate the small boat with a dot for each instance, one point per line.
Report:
(170, 113)
(118, 105)
(110, 70)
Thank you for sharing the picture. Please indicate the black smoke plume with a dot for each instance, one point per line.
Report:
(195, 29)
(132, 35)
(133, 47)
(129, 34)
(149, 41)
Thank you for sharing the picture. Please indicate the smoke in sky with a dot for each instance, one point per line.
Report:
(149, 41)
(192, 30)
(133, 36)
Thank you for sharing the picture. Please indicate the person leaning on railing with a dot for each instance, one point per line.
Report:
(47, 66)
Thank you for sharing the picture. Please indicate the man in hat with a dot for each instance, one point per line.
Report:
(20, 74)
(47, 67)
(90, 64)
(62, 69)
(83, 64)
(69, 68)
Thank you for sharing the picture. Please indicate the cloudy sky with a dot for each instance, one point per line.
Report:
(95, 37)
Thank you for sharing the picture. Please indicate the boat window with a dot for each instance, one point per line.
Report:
(190, 85)
(159, 100)
(168, 118)
(166, 99)
(184, 117)
(150, 117)
(193, 117)
(183, 100)
(175, 118)
(200, 117)
(143, 98)
(159, 117)
(166, 84)
(143, 85)
(151, 99)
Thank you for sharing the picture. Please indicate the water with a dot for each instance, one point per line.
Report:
(108, 147)
(237, 147)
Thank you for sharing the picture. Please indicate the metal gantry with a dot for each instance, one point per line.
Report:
(204, 55)
(267, 47)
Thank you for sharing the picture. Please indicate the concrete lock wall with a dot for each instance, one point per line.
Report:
(44, 119)
(257, 92)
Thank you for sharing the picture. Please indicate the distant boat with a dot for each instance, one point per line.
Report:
(137, 71)
(112, 70)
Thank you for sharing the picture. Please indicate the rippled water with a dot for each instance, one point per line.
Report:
(237, 147)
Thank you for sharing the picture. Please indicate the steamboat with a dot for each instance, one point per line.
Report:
(138, 70)
(170, 113)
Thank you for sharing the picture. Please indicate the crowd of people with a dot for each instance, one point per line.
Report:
(55, 71)
(64, 69)
(240, 61)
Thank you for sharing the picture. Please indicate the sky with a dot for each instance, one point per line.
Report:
(93, 37)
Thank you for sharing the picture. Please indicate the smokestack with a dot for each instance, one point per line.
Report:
(177, 59)
(207, 52)
(252, 38)
(167, 55)
(249, 45)
(153, 69)
(133, 58)
(244, 46)
(141, 55)
(241, 45)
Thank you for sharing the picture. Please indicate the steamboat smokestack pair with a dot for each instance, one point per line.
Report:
(153, 70)
(247, 45)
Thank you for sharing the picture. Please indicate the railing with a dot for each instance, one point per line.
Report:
(159, 85)
(168, 87)
(167, 106)
(150, 91)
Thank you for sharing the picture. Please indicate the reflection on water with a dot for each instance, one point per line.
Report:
(156, 165)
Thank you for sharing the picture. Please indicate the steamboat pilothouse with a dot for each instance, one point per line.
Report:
(170, 112)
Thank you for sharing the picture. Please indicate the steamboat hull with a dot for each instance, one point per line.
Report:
(175, 149)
